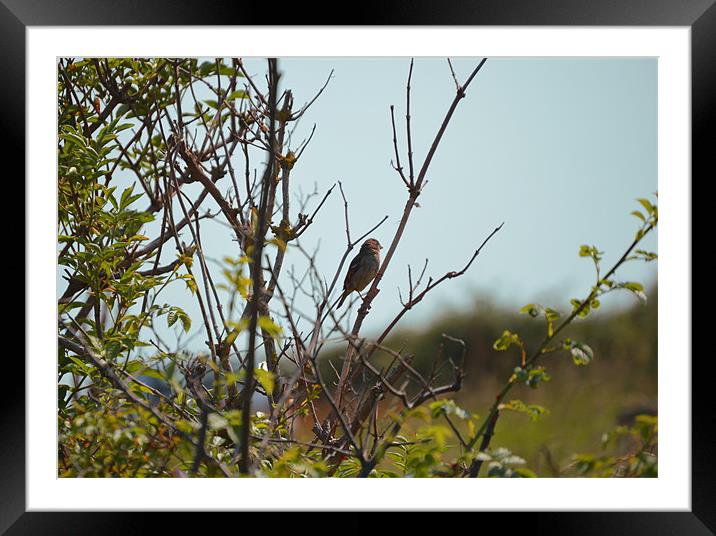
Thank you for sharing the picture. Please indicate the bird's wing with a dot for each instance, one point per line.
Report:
(352, 269)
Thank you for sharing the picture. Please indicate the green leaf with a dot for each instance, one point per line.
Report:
(648, 420)
(638, 215)
(269, 326)
(127, 198)
(447, 407)
(551, 314)
(75, 139)
(647, 205)
(531, 376)
(634, 286)
(532, 309)
(228, 71)
(216, 421)
(499, 462)
(582, 354)
(266, 379)
(177, 313)
(524, 472)
(185, 322)
(190, 282)
(239, 326)
(536, 376)
(646, 256)
(521, 374)
(533, 411)
(637, 289)
(506, 340)
(240, 94)
(152, 373)
(576, 304)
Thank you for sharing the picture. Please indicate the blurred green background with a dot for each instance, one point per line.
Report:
(584, 402)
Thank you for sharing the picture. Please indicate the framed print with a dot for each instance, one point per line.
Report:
(413, 265)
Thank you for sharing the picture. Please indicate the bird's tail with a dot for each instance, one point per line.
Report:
(335, 305)
(341, 300)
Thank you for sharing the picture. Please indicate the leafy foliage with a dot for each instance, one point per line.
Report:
(501, 463)
(628, 451)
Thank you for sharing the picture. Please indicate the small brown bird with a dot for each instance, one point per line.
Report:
(363, 269)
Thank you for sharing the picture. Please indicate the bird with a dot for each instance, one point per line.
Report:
(362, 270)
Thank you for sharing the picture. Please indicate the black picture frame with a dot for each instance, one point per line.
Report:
(699, 15)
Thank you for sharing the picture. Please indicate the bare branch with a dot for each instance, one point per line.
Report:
(410, 203)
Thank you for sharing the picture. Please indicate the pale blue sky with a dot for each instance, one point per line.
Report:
(558, 149)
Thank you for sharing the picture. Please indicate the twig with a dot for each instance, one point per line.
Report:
(410, 203)
(259, 239)
(493, 414)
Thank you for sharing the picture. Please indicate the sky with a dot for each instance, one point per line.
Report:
(556, 148)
